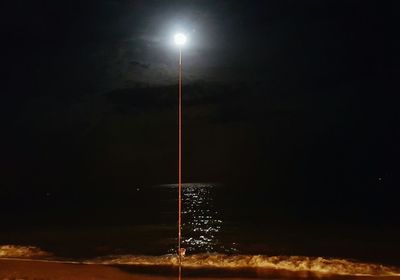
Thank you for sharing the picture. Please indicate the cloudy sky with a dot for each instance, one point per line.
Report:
(106, 44)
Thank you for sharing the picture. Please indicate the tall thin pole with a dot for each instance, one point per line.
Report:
(180, 158)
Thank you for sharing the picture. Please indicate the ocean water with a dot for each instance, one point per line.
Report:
(218, 233)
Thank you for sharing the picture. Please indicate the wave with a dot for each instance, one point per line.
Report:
(14, 251)
(317, 265)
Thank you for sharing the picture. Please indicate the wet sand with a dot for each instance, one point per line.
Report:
(38, 270)
(12, 269)
(43, 270)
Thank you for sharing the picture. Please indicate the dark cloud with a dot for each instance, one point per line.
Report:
(140, 65)
(229, 40)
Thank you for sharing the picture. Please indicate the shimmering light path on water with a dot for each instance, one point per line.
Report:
(202, 222)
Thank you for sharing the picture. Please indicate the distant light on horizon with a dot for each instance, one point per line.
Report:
(180, 39)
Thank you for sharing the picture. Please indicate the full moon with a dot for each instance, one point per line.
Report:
(180, 39)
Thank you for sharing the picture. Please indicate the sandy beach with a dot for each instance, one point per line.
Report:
(13, 269)
(24, 269)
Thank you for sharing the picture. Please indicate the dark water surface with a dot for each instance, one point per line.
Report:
(219, 232)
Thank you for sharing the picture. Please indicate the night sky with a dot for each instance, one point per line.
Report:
(290, 104)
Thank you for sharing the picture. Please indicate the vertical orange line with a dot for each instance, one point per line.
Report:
(180, 158)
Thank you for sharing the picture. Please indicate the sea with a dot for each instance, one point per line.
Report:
(220, 236)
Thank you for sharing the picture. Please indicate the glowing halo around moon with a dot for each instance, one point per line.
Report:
(180, 39)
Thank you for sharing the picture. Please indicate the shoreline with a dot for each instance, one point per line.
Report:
(58, 270)
(34, 269)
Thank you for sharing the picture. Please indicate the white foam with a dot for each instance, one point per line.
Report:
(14, 251)
(316, 265)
